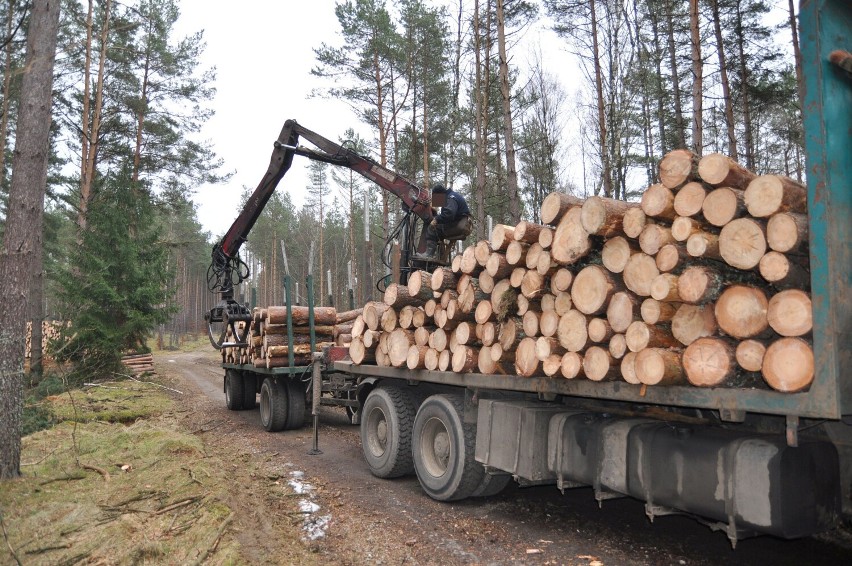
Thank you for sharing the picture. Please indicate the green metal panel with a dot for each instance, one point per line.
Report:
(826, 25)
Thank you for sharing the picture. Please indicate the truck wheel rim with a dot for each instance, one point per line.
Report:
(264, 407)
(436, 447)
(377, 425)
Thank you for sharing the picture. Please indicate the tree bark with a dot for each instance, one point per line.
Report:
(23, 228)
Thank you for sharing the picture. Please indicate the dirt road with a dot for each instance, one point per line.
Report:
(352, 517)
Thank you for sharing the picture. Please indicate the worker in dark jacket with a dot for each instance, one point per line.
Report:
(453, 223)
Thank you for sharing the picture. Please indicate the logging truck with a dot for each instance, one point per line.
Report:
(690, 351)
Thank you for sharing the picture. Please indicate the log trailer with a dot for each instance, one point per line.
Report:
(743, 460)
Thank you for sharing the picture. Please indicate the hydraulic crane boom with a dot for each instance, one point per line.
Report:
(227, 270)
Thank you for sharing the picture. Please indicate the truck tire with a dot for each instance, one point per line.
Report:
(249, 391)
(273, 405)
(492, 484)
(386, 421)
(295, 404)
(443, 448)
(233, 390)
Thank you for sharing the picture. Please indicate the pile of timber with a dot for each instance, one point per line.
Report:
(50, 330)
(703, 282)
(267, 344)
(137, 364)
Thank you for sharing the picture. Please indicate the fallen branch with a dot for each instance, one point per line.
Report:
(101, 471)
(9, 544)
(157, 384)
(80, 476)
(178, 504)
(49, 454)
(215, 544)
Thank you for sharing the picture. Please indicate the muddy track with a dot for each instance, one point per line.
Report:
(370, 520)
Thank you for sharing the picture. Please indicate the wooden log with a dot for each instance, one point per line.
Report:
(465, 334)
(349, 316)
(616, 252)
(373, 314)
(656, 366)
(486, 282)
(525, 304)
(545, 346)
(703, 244)
(678, 167)
(640, 336)
(689, 199)
(517, 277)
(683, 227)
(421, 336)
(320, 329)
(487, 333)
(545, 265)
(548, 302)
(443, 278)
(439, 340)
(482, 251)
(750, 354)
(692, 322)
(429, 307)
(741, 311)
(397, 296)
(399, 342)
(561, 280)
(621, 311)
(464, 359)
(723, 205)
(562, 302)
(555, 205)
(545, 238)
(533, 285)
(531, 258)
(371, 338)
(571, 241)
(359, 326)
(484, 312)
(418, 318)
(634, 221)
(448, 296)
(420, 286)
(658, 202)
(444, 359)
(769, 194)
(416, 358)
(389, 320)
(527, 232)
(469, 265)
(709, 362)
(601, 216)
(639, 273)
(551, 365)
(787, 232)
(742, 243)
(497, 266)
(790, 313)
(510, 334)
(670, 257)
(599, 365)
(455, 264)
(571, 365)
(359, 353)
(405, 318)
(654, 237)
(599, 330)
(593, 288)
(664, 287)
(777, 268)
(788, 365)
(653, 311)
(530, 323)
(572, 331)
(548, 323)
(281, 362)
(516, 253)
(501, 236)
(273, 340)
(720, 170)
(699, 284)
(628, 368)
(430, 360)
(617, 346)
(526, 362)
(322, 315)
(457, 313)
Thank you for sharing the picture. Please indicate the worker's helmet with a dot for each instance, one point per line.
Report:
(439, 188)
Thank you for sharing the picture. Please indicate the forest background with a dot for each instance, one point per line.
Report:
(435, 92)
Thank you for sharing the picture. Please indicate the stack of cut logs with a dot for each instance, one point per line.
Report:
(49, 331)
(706, 281)
(267, 341)
(137, 364)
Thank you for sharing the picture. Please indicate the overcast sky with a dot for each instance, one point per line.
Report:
(263, 54)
